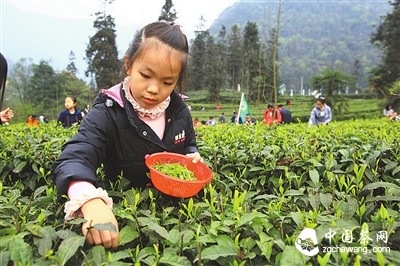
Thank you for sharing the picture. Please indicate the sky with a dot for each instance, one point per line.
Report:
(50, 29)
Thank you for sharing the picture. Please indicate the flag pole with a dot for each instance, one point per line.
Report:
(240, 107)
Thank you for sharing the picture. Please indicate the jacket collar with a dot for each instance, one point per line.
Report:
(118, 95)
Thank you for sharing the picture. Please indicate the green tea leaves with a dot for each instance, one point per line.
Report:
(175, 170)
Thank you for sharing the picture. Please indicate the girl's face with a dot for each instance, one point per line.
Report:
(319, 105)
(153, 76)
(69, 103)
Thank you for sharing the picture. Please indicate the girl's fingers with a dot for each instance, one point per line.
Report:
(108, 239)
(114, 237)
(96, 236)
(105, 238)
(89, 237)
(90, 233)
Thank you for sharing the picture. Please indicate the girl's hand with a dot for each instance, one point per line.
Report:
(95, 211)
(195, 156)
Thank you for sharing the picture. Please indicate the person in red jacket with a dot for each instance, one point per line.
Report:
(272, 116)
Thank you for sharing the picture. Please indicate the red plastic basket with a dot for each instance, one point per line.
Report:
(173, 186)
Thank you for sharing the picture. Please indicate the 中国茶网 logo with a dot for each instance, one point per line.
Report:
(307, 242)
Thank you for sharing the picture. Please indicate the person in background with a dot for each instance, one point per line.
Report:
(218, 107)
(71, 115)
(197, 123)
(272, 116)
(286, 114)
(32, 121)
(140, 116)
(321, 114)
(236, 119)
(389, 112)
(85, 110)
(43, 119)
(211, 121)
(249, 121)
(222, 118)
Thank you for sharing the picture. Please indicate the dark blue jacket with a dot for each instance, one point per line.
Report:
(239, 120)
(286, 115)
(114, 136)
(67, 119)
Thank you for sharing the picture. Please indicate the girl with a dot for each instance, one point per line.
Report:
(140, 116)
(71, 115)
(321, 114)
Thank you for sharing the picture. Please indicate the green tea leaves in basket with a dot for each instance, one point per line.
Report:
(175, 170)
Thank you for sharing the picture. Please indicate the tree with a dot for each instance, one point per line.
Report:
(251, 60)
(395, 90)
(268, 64)
(47, 90)
(71, 66)
(69, 85)
(168, 13)
(220, 56)
(270, 67)
(234, 57)
(356, 74)
(274, 53)
(330, 82)
(102, 53)
(197, 75)
(43, 88)
(212, 68)
(387, 38)
(19, 78)
(378, 85)
(196, 72)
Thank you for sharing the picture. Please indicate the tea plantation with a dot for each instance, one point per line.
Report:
(342, 181)
(349, 107)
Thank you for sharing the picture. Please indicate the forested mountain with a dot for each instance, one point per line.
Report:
(314, 34)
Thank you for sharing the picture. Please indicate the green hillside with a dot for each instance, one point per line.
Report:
(314, 34)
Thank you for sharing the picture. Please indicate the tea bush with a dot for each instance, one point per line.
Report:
(270, 183)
